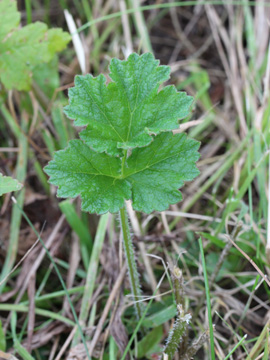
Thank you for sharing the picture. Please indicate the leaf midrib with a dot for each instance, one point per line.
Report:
(104, 113)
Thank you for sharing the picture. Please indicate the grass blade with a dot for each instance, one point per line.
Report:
(92, 271)
(235, 347)
(16, 214)
(59, 276)
(208, 300)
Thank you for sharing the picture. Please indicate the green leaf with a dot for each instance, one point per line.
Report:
(78, 170)
(151, 176)
(10, 17)
(7, 184)
(157, 171)
(149, 342)
(2, 338)
(46, 76)
(22, 49)
(126, 113)
(160, 317)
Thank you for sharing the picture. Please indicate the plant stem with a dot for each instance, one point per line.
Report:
(178, 288)
(177, 279)
(131, 262)
(177, 334)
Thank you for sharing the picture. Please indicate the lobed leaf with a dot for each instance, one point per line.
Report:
(127, 112)
(8, 184)
(151, 176)
(157, 171)
(22, 49)
(78, 170)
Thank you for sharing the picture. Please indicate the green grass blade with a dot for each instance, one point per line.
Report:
(235, 347)
(56, 294)
(17, 346)
(80, 229)
(163, 6)
(60, 278)
(2, 338)
(266, 348)
(208, 300)
(46, 313)
(92, 271)
(28, 11)
(141, 27)
(41, 176)
(223, 169)
(16, 214)
(140, 322)
(58, 119)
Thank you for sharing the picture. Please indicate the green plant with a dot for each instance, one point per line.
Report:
(128, 150)
(178, 336)
(8, 184)
(21, 49)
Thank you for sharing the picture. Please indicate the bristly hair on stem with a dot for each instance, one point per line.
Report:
(131, 262)
(178, 289)
(177, 280)
(177, 333)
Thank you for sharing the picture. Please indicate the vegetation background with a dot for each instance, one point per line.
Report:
(219, 53)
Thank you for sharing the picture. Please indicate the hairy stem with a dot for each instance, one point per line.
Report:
(177, 334)
(178, 289)
(178, 286)
(131, 262)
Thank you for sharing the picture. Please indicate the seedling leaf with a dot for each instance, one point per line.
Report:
(22, 49)
(7, 184)
(157, 171)
(127, 112)
(78, 170)
(151, 176)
